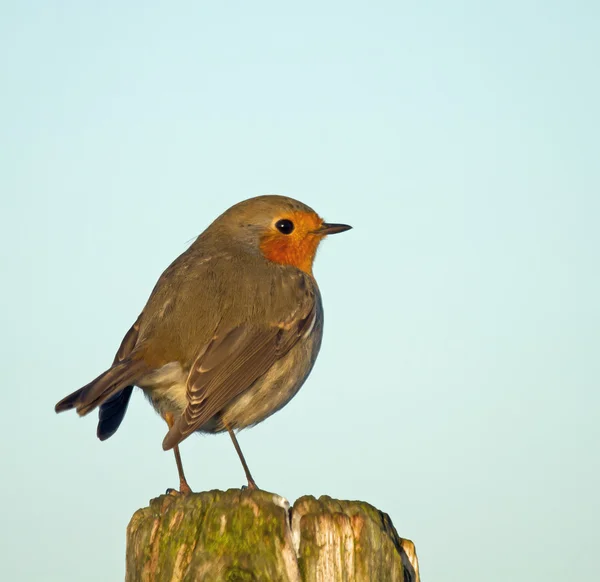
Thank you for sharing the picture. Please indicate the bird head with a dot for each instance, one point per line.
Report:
(283, 230)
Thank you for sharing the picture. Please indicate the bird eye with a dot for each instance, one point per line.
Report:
(284, 226)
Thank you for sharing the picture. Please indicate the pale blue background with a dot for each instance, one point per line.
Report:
(457, 387)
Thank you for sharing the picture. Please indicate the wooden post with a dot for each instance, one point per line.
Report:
(243, 535)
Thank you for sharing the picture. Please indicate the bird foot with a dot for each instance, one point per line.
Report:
(184, 489)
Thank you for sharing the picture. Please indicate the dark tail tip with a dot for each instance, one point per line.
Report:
(106, 434)
(112, 412)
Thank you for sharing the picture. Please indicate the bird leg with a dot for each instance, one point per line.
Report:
(183, 484)
(251, 482)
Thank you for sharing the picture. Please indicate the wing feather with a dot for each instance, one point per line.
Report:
(233, 360)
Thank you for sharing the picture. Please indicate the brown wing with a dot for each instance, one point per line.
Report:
(231, 363)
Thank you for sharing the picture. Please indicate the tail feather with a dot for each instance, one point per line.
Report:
(108, 384)
(112, 412)
(68, 402)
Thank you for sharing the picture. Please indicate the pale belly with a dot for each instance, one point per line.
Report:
(166, 389)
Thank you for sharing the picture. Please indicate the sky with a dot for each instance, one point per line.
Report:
(457, 385)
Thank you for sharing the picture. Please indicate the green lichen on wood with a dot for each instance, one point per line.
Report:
(240, 536)
(233, 535)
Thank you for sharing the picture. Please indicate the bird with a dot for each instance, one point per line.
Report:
(229, 333)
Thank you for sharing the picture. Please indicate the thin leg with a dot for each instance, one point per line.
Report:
(183, 484)
(251, 482)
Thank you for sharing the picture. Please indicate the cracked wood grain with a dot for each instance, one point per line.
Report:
(255, 536)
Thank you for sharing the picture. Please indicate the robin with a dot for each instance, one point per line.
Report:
(230, 332)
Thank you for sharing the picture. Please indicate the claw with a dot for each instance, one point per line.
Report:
(184, 490)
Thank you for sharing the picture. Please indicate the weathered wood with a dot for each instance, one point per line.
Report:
(243, 535)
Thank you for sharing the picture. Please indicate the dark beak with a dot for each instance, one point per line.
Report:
(328, 228)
